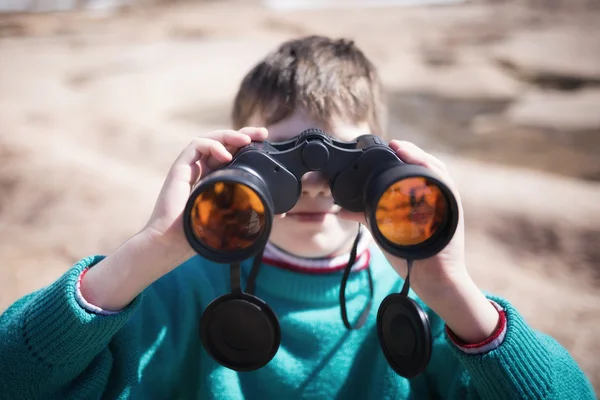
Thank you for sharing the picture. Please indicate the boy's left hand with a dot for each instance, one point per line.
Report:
(442, 281)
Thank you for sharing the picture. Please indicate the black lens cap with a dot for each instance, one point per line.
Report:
(240, 332)
(404, 335)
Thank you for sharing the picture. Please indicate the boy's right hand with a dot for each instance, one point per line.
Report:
(161, 245)
(203, 155)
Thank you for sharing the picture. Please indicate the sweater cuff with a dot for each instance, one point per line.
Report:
(489, 344)
(59, 331)
(84, 303)
(519, 364)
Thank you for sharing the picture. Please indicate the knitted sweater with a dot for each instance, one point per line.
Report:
(53, 348)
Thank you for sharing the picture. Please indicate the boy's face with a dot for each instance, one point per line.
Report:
(312, 228)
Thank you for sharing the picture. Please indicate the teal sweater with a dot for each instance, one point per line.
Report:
(51, 348)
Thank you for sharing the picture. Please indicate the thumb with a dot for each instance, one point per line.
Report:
(353, 216)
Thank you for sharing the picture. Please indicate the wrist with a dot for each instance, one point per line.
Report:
(119, 278)
(169, 250)
(464, 308)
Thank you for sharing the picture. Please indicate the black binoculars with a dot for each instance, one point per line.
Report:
(228, 219)
(411, 213)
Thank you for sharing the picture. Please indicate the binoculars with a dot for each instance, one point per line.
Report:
(411, 213)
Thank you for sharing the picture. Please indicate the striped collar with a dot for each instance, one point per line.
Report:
(279, 258)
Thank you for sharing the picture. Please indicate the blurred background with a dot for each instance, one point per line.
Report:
(97, 98)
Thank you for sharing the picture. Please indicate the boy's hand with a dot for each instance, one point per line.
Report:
(442, 281)
(203, 155)
(161, 246)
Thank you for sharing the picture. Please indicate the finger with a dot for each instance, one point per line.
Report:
(257, 134)
(215, 150)
(203, 147)
(412, 154)
(212, 162)
(228, 137)
(195, 171)
(229, 142)
(235, 139)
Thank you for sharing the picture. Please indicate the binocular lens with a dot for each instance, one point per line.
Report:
(410, 211)
(228, 216)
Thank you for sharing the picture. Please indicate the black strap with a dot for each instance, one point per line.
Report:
(234, 278)
(406, 286)
(365, 313)
(251, 285)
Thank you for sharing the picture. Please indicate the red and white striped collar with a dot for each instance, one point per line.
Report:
(279, 258)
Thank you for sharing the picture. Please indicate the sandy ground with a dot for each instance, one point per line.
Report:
(93, 109)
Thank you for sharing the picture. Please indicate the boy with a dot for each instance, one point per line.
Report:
(126, 326)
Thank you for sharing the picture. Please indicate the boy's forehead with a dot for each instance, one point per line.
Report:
(293, 125)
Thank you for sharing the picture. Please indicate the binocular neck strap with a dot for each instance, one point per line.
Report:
(234, 278)
(235, 275)
(365, 313)
(406, 286)
(251, 285)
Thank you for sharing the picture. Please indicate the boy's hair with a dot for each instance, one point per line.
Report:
(328, 79)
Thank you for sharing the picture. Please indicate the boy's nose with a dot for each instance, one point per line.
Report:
(315, 184)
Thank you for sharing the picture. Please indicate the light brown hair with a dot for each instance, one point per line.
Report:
(326, 78)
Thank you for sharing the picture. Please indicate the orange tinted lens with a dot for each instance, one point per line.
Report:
(228, 216)
(410, 211)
